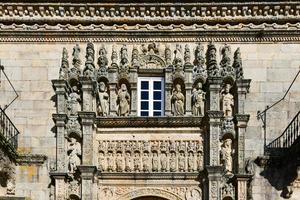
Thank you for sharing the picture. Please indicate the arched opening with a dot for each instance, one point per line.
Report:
(149, 198)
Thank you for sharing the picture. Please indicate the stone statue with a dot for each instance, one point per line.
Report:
(135, 57)
(89, 69)
(123, 101)
(211, 61)
(74, 155)
(163, 162)
(199, 161)
(198, 99)
(227, 101)
(173, 162)
(199, 63)
(63, 71)
(119, 162)
(177, 62)
(73, 104)
(124, 68)
(191, 161)
(137, 162)
(155, 160)
(110, 162)
(226, 155)
(146, 162)
(237, 64)
(187, 55)
(168, 55)
(101, 162)
(178, 101)
(114, 57)
(181, 162)
(102, 62)
(128, 162)
(226, 69)
(103, 105)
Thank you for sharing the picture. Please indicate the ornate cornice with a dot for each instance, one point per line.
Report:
(31, 159)
(148, 122)
(142, 176)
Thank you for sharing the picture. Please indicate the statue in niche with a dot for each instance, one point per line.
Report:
(198, 100)
(110, 162)
(74, 149)
(89, 64)
(102, 62)
(178, 101)
(146, 162)
(237, 64)
(163, 162)
(101, 162)
(119, 162)
(227, 101)
(128, 162)
(63, 71)
(181, 162)
(199, 161)
(191, 161)
(103, 105)
(73, 104)
(173, 162)
(226, 155)
(137, 162)
(123, 101)
(155, 160)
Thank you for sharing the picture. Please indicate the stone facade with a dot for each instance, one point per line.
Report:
(78, 99)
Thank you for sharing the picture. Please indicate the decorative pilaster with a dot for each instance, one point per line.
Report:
(112, 79)
(60, 185)
(168, 91)
(60, 87)
(87, 94)
(188, 72)
(133, 83)
(243, 86)
(87, 181)
(214, 182)
(241, 184)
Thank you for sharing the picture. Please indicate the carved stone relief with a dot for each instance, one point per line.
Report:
(74, 154)
(198, 100)
(103, 103)
(178, 100)
(123, 101)
(227, 155)
(227, 101)
(150, 156)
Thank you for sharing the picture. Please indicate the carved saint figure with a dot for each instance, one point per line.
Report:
(74, 155)
(146, 162)
(227, 101)
(137, 162)
(226, 154)
(119, 162)
(181, 162)
(103, 105)
(128, 162)
(101, 162)
(155, 161)
(199, 161)
(191, 160)
(198, 99)
(73, 101)
(123, 101)
(173, 162)
(110, 162)
(178, 101)
(163, 162)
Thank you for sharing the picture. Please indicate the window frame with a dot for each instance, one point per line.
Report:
(151, 100)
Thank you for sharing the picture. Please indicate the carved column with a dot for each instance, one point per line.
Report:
(87, 168)
(214, 182)
(133, 87)
(112, 79)
(168, 91)
(188, 88)
(60, 185)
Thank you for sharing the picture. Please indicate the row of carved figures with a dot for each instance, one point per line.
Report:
(150, 162)
(153, 56)
(177, 101)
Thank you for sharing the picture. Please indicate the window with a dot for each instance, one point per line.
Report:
(150, 96)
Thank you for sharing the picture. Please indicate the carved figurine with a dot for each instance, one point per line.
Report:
(63, 71)
(137, 162)
(146, 162)
(135, 57)
(226, 155)
(168, 55)
(211, 60)
(124, 68)
(89, 64)
(74, 155)
(226, 68)
(198, 99)
(101, 162)
(110, 162)
(123, 101)
(178, 101)
(119, 162)
(163, 162)
(173, 162)
(73, 104)
(227, 101)
(102, 62)
(181, 162)
(155, 160)
(187, 55)
(128, 162)
(103, 105)
(237, 64)
(199, 161)
(191, 160)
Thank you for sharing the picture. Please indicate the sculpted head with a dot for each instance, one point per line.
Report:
(227, 88)
(102, 86)
(123, 87)
(178, 87)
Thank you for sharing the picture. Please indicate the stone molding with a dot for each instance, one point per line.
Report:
(148, 122)
(150, 176)
(31, 159)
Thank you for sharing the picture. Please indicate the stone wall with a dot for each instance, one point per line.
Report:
(31, 67)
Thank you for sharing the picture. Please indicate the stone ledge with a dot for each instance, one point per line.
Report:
(31, 159)
(150, 175)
